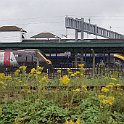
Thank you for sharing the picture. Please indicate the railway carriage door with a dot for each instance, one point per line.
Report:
(7, 58)
(29, 59)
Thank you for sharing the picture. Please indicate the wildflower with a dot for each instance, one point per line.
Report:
(101, 96)
(39, 68)
(78, 121)
(72, 75)
(17, 72)
(2, 74)
(38, 72)
(22, 68)
(44, 79)
(118, 85)
(69, 122)
(77, 73)
(106, 100)
(81, 75)
(111, 99)
(59, 71)
(76, 90)
(105, 89)
(114, 79)
(33, 71)
(110, 85)
(81, 65)
(8, 77)
(65, 80)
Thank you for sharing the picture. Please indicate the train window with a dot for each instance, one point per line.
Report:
(19, 55)
(47, 54)
(53, 54)
(16, 55)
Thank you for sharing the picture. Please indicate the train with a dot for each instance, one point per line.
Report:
(68, 61)
(10, 59)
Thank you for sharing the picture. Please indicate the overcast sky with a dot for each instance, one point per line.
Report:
(36, 16)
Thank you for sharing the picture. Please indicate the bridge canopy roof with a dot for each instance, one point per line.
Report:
(113, 45)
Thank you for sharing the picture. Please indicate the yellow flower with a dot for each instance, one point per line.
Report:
(72, 75)
(105, 89)
(2, 74)
(76, 90)
(118, 85)
(39, 68)
(69, 122)
(33, 71)
(70, 72)
(114, 79)
(81, 65)
(106, 100)
(8, 77)
(22, 68)
(59, 71)
(45, 79)
(17, 72)
(101, 96)
(111, 99)
(38, 72)
(78, 121)
(77, 73)
(65, 80)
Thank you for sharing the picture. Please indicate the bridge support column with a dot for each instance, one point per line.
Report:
(82, 28)
(76, 34)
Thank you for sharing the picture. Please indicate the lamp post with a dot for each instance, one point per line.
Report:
(93, 64)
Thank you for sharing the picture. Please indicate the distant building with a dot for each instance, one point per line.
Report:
(45, 35)
(11, 34)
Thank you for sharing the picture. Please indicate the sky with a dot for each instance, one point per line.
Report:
(36, 16)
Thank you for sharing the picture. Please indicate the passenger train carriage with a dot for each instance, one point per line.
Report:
(12, 59)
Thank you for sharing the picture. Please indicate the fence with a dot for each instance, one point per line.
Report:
(88, 72)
